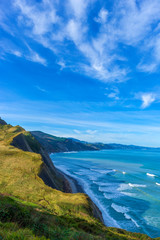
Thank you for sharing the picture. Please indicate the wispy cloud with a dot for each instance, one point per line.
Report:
(62, 64)
(91, 131)
(102, 16)
(39, 16)
(78, 8)
(35, 57)
(41, 89)
(97, 55)
(114, 93)
(76, 131)
(7, 47)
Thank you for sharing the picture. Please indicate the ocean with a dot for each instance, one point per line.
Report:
(124, 184)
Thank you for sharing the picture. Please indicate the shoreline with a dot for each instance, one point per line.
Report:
(72, 186)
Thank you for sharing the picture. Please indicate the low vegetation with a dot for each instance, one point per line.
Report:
(29, 209)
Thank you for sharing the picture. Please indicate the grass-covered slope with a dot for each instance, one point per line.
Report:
(29, 209)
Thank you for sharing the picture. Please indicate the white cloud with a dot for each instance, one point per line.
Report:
(147, 99)
(35, 57)
(17, 53)
(135, 20)
(114, 93)
(42, 21)
(76, 131)
(91, 131)
(129, 23)
(3, 21)
(40, 17)
(78, 7)
(102, 16)
(74, 31)
(62, 64)
(7, 47)
(147, 67)
(41, 89)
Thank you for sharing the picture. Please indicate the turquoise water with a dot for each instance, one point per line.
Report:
(124, 184)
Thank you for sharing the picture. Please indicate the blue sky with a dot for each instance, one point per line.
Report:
(87, 69)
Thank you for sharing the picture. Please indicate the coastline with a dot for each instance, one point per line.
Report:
(71, 185)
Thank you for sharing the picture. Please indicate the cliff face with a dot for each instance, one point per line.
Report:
(31, 209)
(58, 144)
(48, 173)
(26, 197)
(2, 122)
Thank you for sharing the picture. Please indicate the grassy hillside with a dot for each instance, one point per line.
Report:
(29, 209)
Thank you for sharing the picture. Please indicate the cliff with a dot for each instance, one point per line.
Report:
(60, 144)
(26, 142)
(2, 122)
(31, 207)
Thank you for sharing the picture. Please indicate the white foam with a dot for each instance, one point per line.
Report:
(124, 210)
(112, 195)
(104, 189)
(62, 168)
(93, 176)
(110, 188)
(129, 194)
(129, 217)
(71, 152)
(102, 171)
(150, 175)
(136, 185)
(100, 183)
(79, 173)
(108, 220)
(124, 186)
(119, 209)
(83, 172)
(123, 173)
(158, 184)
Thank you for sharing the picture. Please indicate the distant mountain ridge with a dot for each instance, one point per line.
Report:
(62, 144)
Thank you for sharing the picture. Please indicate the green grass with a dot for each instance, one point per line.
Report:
(31, 210)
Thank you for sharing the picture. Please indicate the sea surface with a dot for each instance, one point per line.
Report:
(124, 184)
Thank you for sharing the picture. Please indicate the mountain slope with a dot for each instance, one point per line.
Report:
(2, 122)
(59, 144)
(29, 209)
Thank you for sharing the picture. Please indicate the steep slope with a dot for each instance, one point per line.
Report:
(29, 209)
(58, 144)
(2, 122)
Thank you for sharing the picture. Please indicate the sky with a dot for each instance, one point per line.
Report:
(87, 69)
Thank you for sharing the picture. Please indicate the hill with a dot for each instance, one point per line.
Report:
(2, 122)
(33, 209)
(60, 144)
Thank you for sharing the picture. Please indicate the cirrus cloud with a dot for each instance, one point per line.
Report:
(67, 30)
